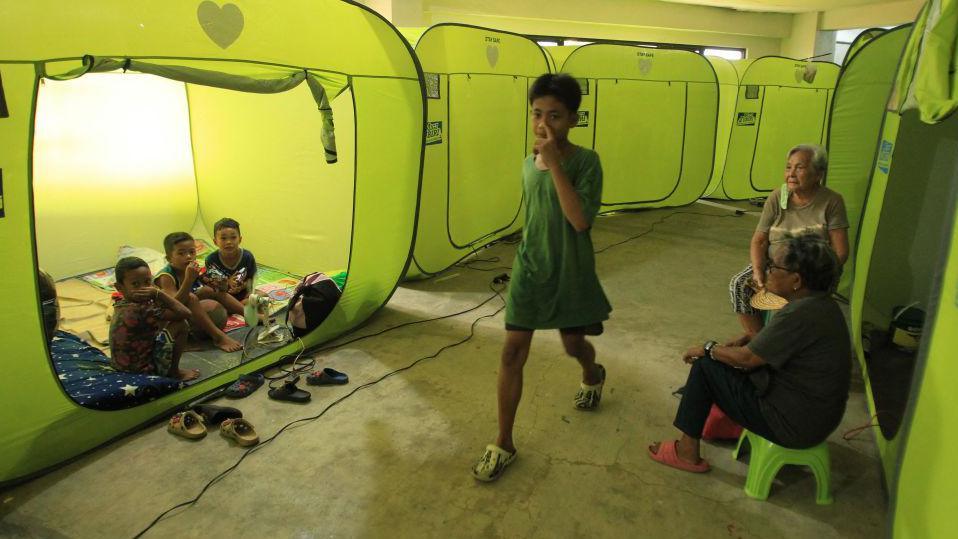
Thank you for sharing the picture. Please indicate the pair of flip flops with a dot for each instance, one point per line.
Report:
(245, 385)
(192, 424)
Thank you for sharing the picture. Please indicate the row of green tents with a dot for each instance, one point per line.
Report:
(421, 170)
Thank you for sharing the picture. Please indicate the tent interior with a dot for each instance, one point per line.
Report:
(670, 96)
(122, 159)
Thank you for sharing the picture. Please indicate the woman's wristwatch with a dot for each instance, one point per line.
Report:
(708, 349)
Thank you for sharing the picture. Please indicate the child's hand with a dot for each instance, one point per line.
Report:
(548, 148)
(236, 284)
(143, 295)
(192, 272)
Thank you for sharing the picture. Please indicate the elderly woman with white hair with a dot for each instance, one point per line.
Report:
(800, 206)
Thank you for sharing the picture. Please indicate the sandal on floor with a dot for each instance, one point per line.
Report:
(588, 397)
(327, 377)
(244, 386)
(492, 463)
(289, 392)
(214, 415)
(667, 455)
(239, 430)
(188, 424)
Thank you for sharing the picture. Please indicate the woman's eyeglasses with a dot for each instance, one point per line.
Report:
(769, 265)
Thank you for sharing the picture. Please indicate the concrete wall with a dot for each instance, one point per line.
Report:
(886, 14)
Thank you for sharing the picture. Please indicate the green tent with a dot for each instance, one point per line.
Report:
(858, 106)
(781, 103)
(907, 264)
(477, 135)
(728, 73)
(233, 113)
(860, 41)
(651, 114)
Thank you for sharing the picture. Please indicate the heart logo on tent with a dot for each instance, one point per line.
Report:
(222, 24)
(492, 54)
(645, 65)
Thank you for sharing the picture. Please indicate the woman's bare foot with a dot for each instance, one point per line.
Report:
(187, 375)
(228, 344)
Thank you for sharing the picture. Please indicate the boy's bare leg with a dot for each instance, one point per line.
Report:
(751, 323)
(201, 317)
(180, 333)
(230, 303)
(509, 391)
(582, 350)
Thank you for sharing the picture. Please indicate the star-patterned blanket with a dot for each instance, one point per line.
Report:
(88, 377)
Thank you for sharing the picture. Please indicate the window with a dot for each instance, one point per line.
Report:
(732, 53)
(547, 43)
(728, 54)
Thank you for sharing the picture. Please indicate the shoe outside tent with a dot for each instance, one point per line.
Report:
(222, 110)
(651, 114)
(477, 135)
(781, 103)
(858, 107)
(908, 267)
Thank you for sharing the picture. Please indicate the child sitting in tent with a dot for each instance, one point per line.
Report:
(149, 330)
(236, 264)
(181, 280)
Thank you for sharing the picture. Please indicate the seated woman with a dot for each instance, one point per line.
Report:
(789, 384)
(808, 206)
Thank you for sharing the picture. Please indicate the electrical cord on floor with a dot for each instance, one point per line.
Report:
(738, 213)
(472, 331)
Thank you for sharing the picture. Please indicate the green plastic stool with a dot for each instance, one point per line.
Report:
(768, 459)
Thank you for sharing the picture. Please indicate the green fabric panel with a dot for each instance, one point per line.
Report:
(433, 251)
(43, 427)
(632, 62)
(699, 143)
(741, 146)
(728, 95)
(860, 41)
(453, 48)
(560, 55)
(302, 33)
(858, 109)
(790, 116)
(933, 85)
(412, 34)
(778, 71)
(263, 168)
(645, 166)
(100, 180)
(485, 190)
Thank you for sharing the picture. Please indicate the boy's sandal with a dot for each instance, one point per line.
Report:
(492, 463)
(289, 392)
(667, 455)
(589, 396)
(240, 430)
(245, 385)
(188, 424)
(327, 377)
(214, 415)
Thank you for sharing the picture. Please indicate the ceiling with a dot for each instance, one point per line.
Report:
(780, 6)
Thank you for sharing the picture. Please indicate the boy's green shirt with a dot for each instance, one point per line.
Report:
(554, 284)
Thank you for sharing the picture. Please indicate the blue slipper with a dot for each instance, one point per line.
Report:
(327, 377)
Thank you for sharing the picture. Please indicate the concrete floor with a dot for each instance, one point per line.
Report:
(394, 460)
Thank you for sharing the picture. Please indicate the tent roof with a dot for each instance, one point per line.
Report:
(613, 61)
(293, 32)
(459, 48)
(781, 71)
(724, 70)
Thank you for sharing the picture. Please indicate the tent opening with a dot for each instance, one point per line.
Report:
(123, 159)
(909, 250)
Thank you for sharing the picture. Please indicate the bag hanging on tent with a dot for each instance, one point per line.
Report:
(312, 301)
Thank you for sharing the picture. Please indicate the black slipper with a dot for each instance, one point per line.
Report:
(327, 377)
(214, 415)
(289, 392)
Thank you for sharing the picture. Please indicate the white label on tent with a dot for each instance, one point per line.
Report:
(583, 119)
(433, 133)
(745, 118)
(884, 156)
(584, 86)
(432, 85)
